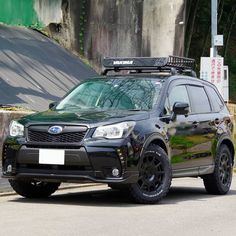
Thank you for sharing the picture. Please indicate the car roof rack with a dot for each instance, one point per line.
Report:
(171, 64)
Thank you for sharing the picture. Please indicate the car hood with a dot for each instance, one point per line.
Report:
(89, 118)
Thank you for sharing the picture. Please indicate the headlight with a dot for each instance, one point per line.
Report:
(16, 129)
(120, 130)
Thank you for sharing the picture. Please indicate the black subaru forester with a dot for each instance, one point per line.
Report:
(134, 131)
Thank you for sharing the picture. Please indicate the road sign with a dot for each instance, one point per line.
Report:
(212, 70)
(218, 40)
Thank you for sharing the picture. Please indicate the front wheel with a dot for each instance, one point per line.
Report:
(220, 180)
(154, 177)
(34, 189)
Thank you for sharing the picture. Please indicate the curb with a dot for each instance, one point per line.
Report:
(12, 193)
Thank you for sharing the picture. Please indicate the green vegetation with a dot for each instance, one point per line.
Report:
(82, 26)
(198, 34)
(22, 13)
(14, 108)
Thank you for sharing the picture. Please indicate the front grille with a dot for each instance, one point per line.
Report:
(45, 137)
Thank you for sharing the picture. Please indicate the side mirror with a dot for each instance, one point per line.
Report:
(52, 104)
(180, 108)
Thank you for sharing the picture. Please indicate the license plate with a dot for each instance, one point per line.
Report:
(51, 156)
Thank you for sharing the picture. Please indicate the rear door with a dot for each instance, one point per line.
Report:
(205, 129)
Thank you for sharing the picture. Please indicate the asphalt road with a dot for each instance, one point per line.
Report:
(187, 210)
(35, 70)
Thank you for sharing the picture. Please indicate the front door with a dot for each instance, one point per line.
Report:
(183, 131)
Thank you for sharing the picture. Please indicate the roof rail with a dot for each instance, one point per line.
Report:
(172, 64)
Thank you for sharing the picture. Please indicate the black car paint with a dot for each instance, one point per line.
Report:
(97, 157)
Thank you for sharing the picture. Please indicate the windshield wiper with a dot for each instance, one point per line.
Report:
(66, 107)
(137, 109)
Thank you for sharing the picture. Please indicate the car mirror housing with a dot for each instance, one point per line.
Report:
(52, 104)
(180, 108)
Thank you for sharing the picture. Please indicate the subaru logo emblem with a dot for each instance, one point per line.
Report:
(55, 130)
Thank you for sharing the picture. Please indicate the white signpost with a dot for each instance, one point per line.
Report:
(212, 70)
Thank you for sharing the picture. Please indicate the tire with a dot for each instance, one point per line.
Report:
(154, 177)
(219, 181)
(33, 189)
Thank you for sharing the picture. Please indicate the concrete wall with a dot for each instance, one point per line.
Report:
(98, 28)
(114, 29)
(134, 28)
(48, 11)
(5, 118)
(163, 28)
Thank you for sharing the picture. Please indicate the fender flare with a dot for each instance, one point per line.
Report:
(149, 140)
(225, 139)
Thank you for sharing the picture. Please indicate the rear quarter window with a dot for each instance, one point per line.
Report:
(199, 99)
(216, 100)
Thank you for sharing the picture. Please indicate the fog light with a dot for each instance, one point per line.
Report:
(9, 168)
(115, 172)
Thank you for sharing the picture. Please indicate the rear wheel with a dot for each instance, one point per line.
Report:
(219, 182)
(154, 176)
(34, 189)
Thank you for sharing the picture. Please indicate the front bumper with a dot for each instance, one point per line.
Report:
(93, 162)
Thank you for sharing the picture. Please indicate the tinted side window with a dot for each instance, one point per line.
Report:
(178, 94)
(216, 101)
(199, 99)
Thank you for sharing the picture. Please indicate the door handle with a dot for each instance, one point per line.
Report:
(195, 124)
(217, 121)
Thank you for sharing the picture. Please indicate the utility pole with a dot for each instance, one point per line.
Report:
(214, 8)
(213, 68)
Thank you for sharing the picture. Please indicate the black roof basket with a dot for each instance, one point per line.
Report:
(172, 64)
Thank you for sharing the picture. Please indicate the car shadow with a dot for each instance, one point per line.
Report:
(115, 198)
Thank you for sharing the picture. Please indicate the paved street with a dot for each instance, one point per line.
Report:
(187, 210)
(34, 70)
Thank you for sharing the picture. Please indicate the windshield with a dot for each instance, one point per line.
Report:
(113, 94)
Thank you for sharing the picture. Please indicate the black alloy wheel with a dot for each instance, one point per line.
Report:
(154, 176)
(151, 174)
(225, 169)
(219, 181)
